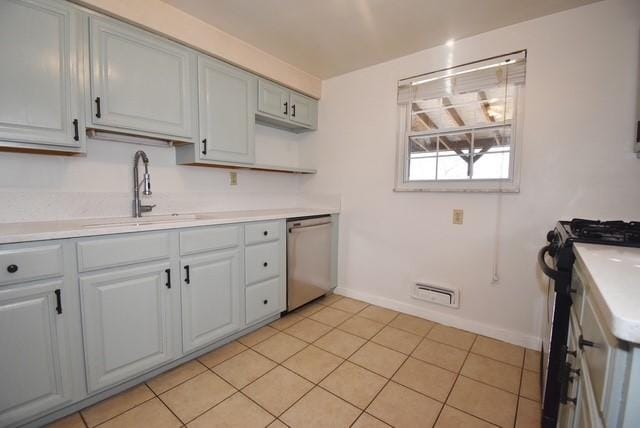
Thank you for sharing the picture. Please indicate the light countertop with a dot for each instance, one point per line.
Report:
(615, 272)
(43, 230)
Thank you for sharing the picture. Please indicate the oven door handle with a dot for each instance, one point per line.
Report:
(550, 272)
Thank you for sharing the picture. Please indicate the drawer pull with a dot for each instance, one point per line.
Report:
(582, 343)
(168, 272)
(265, 233)
(187, 278)
(98, 114)
(58, 301)
(12, 268)
(265, 301)
(265, 264)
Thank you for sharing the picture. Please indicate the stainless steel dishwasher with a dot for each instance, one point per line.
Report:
(309, 259)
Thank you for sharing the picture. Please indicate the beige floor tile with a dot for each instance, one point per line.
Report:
(330, 316)
(361, 327)
(71, 421)
(117, 404)
(308, 330)
(286, 321)
(196, 395)
(376, 313)
(257, 336)
(501, 351)
(279, 347)
(354, 384)
(320, 409)
(430, 380)
(378, 359)
(150, 414)
(340, 343)
(221, 354)
(236, 411)
(329, 299)
(412, 324)
(367, 421)
(441, 355)
(398, 340)
(454, 418)
(402, 407)
(495, 373)
(308, 309)
(350, 305)
(244, 368)
(532, 360)
(484, 401)
(277, 424)
(529, 414)
(530, 387)
(277, 390)
(313, 363)
(452, 336)
(176, 376)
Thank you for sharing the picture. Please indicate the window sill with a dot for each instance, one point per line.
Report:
(444, 189)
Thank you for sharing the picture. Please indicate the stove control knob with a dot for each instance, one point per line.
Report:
(551, 235)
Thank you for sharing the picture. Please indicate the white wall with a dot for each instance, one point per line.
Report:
(582, 73)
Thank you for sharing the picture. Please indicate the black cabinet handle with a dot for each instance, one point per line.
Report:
(204, 144)
(168, 272)
(58, 301)
(187, 279)
(265, 264)
(76, 136)
(582, 343)
(286, 108)
(12, 268)
(265, 301)
(293, 110)
(265, 233)
(98, 114)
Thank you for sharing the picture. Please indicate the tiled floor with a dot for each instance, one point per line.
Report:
(338, 363)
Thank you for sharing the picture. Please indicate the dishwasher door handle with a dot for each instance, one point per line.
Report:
(292, 228)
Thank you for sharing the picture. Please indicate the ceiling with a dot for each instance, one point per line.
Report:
(330, 37)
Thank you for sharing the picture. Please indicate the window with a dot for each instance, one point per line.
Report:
(458, 127)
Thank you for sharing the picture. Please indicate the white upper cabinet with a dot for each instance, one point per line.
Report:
(273, 99)
(227, 105)
(140, 83)
(283, 108)
(41, 75)
(303, 110)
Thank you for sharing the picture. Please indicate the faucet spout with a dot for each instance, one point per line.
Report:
(138, 208)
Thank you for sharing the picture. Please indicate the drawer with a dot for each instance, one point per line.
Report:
(25, 264)
(263, 299)
(598, 356)
(122, 250)
(265, 231)
(209, 239)
(262, 262)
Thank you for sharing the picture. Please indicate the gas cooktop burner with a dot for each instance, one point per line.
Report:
(604, 232)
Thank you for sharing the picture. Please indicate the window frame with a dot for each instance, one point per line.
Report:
(490, 185)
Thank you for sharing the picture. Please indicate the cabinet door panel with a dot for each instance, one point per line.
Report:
(211, 299)
(39, 76)
(302, 110)
(273, 99)
(143, 82)
(227, 108)
(35, 372)
(127, 323)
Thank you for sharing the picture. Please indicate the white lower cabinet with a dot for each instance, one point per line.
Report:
(127, 322)
(210, 285)
(34, 361)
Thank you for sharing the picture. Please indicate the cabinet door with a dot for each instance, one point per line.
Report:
(227, 100)
(303, 110)
(210, 298)
(39, 76)
(273, 99)
(126, 315)
(34, 365)
(140, 82)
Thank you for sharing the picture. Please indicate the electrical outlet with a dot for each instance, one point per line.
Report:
(233, 178)
(458, 216)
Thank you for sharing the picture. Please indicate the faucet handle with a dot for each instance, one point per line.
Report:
(146, 208)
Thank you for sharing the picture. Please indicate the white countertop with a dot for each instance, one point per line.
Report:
(615, 272)
(43, 230)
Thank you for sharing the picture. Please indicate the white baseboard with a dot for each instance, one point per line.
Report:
(510, 336)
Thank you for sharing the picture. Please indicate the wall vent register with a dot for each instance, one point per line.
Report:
(436, 294)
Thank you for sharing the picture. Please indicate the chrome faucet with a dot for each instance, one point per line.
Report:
(138, 208)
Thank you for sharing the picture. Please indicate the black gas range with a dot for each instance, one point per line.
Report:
(559, 297)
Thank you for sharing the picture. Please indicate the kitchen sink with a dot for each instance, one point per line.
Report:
(143, 221)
